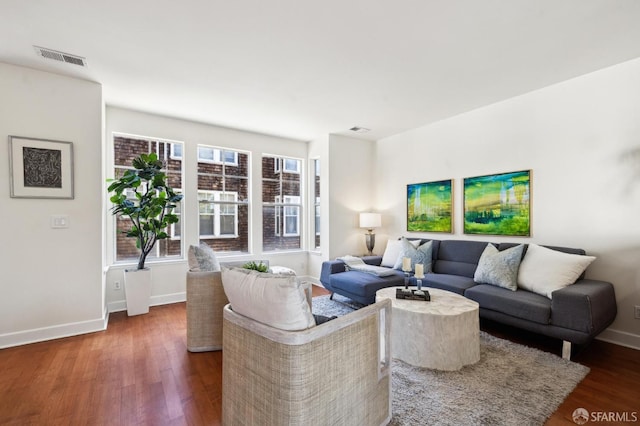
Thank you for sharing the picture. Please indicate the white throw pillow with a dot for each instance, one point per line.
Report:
(276, 300)
(544, 270)
(392, 252)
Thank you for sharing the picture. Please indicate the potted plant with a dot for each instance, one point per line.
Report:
(144, 196)
(259, 266)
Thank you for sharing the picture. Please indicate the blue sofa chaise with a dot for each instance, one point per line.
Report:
(575, 314)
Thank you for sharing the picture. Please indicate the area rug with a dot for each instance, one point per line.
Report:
(511, 384)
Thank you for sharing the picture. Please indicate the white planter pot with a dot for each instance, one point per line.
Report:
(137, 289)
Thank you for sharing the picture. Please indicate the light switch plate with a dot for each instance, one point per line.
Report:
(59, 221)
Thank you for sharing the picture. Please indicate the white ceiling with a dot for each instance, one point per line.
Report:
(306, 68)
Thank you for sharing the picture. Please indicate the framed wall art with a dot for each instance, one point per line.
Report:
(498, 204)
(40, 168)
(429, 207)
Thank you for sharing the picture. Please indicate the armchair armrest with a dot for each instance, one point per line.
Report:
(588, 306)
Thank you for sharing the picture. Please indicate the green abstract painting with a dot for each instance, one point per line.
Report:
(498, 204)
(429, 207)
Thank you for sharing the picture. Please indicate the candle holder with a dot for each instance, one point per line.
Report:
(406, 280)
(406, 268)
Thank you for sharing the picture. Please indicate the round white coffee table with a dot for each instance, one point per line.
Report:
(443, 334)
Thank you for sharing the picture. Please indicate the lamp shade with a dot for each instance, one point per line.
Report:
(370, 220)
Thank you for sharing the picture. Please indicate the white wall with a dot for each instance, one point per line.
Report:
(169, 278)
(580, 138)
(351, 174)
(52, 282)
(346, 189)
(319, 149)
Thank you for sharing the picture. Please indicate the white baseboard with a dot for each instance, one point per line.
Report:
(53, 332)
(163, 299)
(621, 338)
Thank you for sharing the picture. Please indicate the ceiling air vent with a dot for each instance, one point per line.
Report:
(359, 129)
(60, 56)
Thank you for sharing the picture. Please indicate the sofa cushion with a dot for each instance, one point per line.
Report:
(520, 304)
(499, 267)
(454, 283)
(363, 284)
(544, 271)
(458, 257)
(279, 301)
(422, 254)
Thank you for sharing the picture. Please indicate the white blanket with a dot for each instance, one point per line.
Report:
(357, 264)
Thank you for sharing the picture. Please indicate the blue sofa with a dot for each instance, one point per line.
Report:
(575, 314)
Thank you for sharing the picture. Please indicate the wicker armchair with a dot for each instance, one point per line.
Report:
(205, 301)
(337, 373)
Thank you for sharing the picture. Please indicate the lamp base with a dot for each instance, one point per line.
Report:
(371, 242)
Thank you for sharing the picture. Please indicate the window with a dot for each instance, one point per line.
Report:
(316, 202)
(223, 198)
(218, 214)
(176, 228)
(289, 165)
(208, 154)
(281, 203)
(213, 155)
(290, 226)
(125, 149)
(176, 151)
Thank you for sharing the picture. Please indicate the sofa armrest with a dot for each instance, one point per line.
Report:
(372, 260)
(336, 266)
(588, 306)
(330, 267)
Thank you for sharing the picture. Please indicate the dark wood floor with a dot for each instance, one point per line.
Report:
(139, 372)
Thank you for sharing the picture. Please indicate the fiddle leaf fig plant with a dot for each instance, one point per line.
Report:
(144, 196)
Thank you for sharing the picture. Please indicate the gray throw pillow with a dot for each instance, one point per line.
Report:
(205, 258)
(422, 254)
(499, 268)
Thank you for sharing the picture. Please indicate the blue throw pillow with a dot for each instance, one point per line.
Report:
(499, 268)
(422, 254)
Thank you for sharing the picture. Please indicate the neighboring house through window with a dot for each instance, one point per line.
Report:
(223, 198)
(125, 149)
(281, 203)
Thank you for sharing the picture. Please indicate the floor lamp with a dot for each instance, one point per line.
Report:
(370, 221)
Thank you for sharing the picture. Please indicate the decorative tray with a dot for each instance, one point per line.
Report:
(410, 294)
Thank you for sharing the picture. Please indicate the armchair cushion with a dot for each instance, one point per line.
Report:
(202, 258)
(279, 301)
